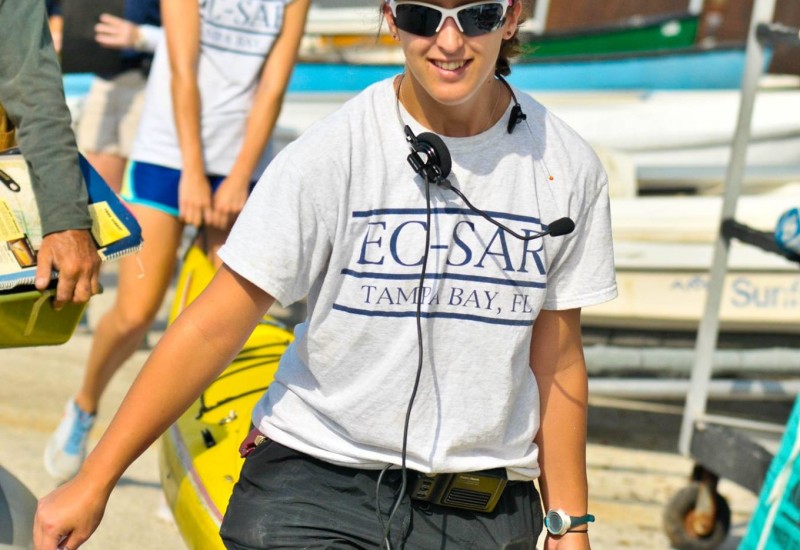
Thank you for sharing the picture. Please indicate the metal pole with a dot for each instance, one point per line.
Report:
(696, 399)
(696, 6)
(540, 12)
(729, 390)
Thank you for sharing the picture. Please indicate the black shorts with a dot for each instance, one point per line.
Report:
(286, 499)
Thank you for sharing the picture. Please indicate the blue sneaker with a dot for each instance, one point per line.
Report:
(66, 449)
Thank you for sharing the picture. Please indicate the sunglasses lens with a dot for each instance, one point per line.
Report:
(419, 20)
(481, 19)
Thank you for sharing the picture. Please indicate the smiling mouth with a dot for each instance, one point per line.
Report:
(450, 65)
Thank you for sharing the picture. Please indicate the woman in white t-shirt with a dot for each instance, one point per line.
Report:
(213, 95)
(440, 369)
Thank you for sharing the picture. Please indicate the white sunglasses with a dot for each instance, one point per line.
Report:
(475, 19)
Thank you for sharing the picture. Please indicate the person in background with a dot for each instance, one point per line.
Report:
(110, 112)
(440, 339)
(213, 96)
(55, 21)
(32, 94)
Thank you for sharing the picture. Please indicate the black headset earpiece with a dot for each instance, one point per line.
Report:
(437, 161)
(516, 115)
(430, 157)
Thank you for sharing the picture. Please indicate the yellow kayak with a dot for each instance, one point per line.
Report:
(199, 455)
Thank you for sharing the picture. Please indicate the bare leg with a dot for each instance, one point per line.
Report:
(110, 167)
(121, 330)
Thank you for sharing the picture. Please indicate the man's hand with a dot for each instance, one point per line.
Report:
(73, 254)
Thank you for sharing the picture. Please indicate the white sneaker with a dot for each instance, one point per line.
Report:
(66, 449)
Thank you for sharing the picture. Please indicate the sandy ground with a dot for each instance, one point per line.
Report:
(634, 468)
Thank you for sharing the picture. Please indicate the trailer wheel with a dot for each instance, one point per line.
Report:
(679, 518)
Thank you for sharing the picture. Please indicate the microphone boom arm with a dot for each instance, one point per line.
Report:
(559, 227)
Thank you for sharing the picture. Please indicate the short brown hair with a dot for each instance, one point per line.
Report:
(509, 48)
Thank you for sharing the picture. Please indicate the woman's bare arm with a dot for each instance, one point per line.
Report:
(192, 352)
(558, 364)
(274, 79)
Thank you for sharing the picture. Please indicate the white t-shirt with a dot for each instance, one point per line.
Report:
(340, 216)
(235, 39)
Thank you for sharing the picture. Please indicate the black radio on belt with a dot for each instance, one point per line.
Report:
(476, 491)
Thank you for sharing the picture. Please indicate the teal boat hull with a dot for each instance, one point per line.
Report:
(689, 69)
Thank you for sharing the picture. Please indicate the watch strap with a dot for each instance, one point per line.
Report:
(565, 523)
(580, 520)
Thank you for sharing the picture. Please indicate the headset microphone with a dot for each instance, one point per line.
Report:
(557, 228)
(437, 163)
(436, 167)
(561, 226)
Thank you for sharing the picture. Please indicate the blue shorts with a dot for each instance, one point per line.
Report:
(157, 186)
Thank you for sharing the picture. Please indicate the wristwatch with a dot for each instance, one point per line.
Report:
(559, 522)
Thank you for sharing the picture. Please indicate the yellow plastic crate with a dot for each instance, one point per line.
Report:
(28, 319)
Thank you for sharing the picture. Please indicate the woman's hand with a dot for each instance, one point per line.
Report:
(228, 201)
(68, 516)
(568, 541)
(194, 198)
(115, 32)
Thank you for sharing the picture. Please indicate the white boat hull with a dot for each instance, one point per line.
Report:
(683, 220)
(751, 302)
(681, 139)
(671, 139)
(663, 249)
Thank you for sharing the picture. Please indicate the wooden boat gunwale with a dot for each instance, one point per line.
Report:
(631, 23)
(692, 51)
(637, 34)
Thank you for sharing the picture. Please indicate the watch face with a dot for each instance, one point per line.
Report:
(554, 523)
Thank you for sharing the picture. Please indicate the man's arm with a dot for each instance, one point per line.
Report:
(558, 364)
(32, 93)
